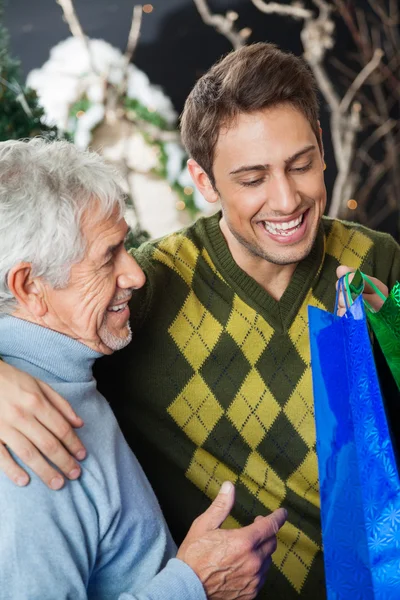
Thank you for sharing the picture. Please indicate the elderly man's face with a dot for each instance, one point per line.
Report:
(93, 308)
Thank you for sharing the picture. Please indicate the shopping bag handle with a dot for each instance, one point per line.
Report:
(356, 287)
(342, 288)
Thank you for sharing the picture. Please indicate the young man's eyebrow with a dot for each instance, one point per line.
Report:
(246, 168)
(291, 159)
(305, 150)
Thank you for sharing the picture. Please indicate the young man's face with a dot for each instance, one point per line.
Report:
(268, 172)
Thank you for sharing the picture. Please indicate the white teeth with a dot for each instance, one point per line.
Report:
(283, 228)
(118, 308)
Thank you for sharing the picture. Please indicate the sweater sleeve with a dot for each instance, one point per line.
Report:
(41, 552)
(177, 581)
(388, 260)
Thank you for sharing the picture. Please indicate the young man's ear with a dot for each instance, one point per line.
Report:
(27, 290)
(321, 142)
(202, 181)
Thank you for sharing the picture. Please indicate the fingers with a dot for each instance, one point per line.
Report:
(56, 423)
(218, 511)
(371, 296)
(266, 527)
(369, 293)
(44, 447)
(11, 469)
(60, 404)
(342, 270)
(31, 457)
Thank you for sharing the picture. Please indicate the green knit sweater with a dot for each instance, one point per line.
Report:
(217, 385)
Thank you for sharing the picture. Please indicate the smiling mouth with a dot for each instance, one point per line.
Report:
(284, 229)
(118, 308)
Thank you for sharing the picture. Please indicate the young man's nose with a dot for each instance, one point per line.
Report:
(282, 195)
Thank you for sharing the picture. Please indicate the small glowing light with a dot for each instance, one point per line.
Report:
(148, 8)
(188, 190)
(245, 32)
(232, 15)
(352, 204)
(180, 205)
(80, 114)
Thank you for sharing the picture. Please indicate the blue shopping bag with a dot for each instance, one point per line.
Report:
(359, 482)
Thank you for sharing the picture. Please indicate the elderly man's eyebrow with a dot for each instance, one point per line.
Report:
(112, 249)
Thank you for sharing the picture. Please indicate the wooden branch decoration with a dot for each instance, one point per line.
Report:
(360, 80)
(134, 32)
(74, 25)
(295, 11)
(317, 36)
(222, 24)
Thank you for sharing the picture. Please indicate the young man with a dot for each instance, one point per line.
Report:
(217, 383)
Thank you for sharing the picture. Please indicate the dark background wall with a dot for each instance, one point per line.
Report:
(175, 47)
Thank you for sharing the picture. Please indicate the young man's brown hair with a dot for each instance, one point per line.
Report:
(246, 80)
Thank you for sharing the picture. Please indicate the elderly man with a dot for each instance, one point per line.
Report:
(65, 283)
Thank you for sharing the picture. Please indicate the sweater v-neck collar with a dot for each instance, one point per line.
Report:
(279, 313)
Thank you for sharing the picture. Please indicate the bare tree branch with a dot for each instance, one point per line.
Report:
(133, 39)
(297, 12)
(222, 24)
(360, 80)
(75, 27)
(134, 33)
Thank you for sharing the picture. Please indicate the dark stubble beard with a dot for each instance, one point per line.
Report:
(256, 250)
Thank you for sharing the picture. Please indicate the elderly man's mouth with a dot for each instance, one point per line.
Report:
(117, 308)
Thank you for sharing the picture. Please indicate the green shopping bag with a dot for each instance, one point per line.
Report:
(385, 323)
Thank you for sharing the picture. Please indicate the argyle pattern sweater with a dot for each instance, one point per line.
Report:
(217, 385)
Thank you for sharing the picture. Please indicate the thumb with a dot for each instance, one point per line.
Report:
(217, 512)
(342, 270)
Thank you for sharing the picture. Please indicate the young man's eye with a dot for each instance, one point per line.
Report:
(252, 183)
(303, 169)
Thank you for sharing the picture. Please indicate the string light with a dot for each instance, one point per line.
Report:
(180, 205)
(148, 8)
(80, 114)
(188, 190)
(352, 204)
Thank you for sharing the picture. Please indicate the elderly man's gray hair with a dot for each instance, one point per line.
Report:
(45, 189)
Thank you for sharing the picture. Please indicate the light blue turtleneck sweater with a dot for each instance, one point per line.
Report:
(102, 537)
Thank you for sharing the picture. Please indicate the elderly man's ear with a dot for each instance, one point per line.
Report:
(27, 290)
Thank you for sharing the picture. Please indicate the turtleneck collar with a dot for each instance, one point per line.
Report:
(47, 350)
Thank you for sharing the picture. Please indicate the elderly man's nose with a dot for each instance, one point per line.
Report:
(132, 275)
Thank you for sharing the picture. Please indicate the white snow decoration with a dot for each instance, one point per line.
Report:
(176, 155)
(67, 76)
(71, 75)
(155, 202)
(86, 123)
(141, 156)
